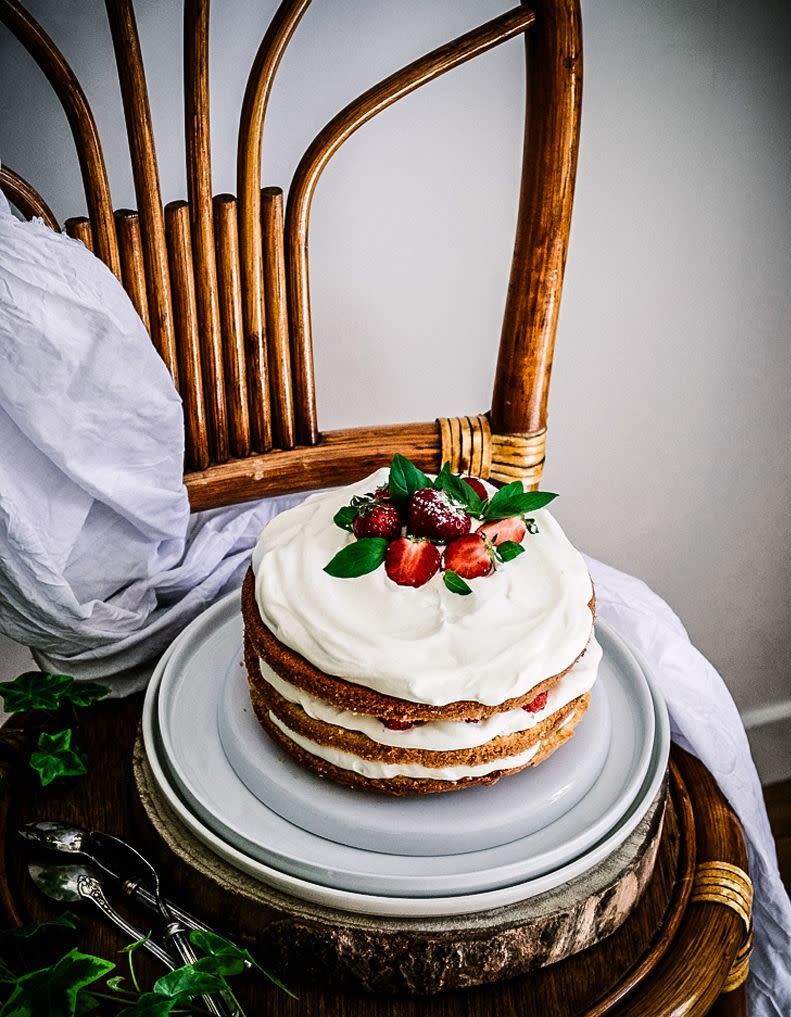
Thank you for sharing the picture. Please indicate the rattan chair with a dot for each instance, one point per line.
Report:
(223, 285)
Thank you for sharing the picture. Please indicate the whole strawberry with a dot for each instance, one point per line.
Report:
(377, 519)
(432, 514)
(469, 556)
(411, 562)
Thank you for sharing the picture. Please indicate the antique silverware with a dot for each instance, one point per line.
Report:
(139, 879)
(63, 838)
(71, 883)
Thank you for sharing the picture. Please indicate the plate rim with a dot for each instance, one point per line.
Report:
(499, 876)
(414, 907)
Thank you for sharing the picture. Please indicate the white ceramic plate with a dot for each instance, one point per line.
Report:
(190, 690)
(282, 872)
(474, 819)
(400, 907)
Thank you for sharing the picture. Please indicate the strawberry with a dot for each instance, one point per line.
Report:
(397, 725)
(477, 486)
(537, 704)
(500, 530)
(411, 562)
(382, 493)
(377, 519)
(469, 556)
(432, 514)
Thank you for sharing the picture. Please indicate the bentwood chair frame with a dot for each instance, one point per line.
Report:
(222, 283)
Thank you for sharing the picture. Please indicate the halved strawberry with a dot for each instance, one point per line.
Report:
(377, 519)
(477, 486)
(432, 514)
(500, 530)
(410, 561)
(469, 556)
(538, 703)
(397, 725)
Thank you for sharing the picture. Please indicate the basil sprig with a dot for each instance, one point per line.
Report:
(345, 516)
(513, 500)
(405, 478)
(508, 550)
(455, 583)
(459, 490)
(358, 559)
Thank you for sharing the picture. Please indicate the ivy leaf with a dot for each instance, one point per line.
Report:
(405, 478)
(114, 983)
(188, 981)
(455, 583)
(509, 549)
(65, 921)
(151, 1004)
(56, 758)
(54, 990)
(357, 559)
(86, 693)
(513, 500)
(229, 958)
(345, 516)
(459, 490)
(35, 690)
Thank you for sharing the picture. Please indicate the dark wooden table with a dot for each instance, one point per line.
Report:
(669, 957)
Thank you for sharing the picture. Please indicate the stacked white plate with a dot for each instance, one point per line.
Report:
(430, 856)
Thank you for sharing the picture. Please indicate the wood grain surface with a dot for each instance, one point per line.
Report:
(610, 978)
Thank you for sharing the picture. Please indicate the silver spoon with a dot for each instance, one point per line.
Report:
(104, 850)
(70, 883)
(64, 839)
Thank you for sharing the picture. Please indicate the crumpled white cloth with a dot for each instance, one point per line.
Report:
(101, 564)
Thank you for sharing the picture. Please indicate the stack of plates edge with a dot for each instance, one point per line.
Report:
(199, 660)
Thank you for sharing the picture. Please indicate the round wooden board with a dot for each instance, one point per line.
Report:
(424, 956)
(669, 956)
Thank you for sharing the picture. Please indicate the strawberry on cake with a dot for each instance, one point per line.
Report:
(413, 634)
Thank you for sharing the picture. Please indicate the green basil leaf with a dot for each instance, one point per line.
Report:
(357, 559)
(459, 490)
(56, 758)
(455, 583)
(513, 500)
(34, 690)
(54, 990)
(509, 549)
(405, 478)
(345, 516)
(86, 693)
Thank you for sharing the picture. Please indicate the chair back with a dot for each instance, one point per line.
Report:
(222, 282)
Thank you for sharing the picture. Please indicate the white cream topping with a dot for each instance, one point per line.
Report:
(446, 735)
(369, 768)
(526, 622)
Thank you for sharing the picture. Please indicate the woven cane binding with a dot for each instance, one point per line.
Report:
(723, 883)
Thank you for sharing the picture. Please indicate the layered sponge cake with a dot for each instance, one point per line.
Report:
(412, 634)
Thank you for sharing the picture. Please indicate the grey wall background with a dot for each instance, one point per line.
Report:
(670, 412)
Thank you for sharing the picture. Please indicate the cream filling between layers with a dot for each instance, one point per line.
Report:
(521, 625)
(446, 735)
(373, 770)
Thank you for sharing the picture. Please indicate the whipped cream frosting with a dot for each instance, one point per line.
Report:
(524, 623)
(446, 735)
(372, 769)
